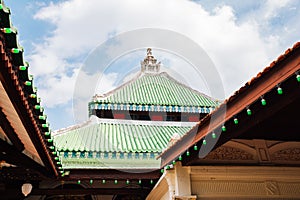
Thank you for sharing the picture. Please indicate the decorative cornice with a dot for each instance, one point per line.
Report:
(153, 108)
(229, 153)
(82, 155)
(290, 154)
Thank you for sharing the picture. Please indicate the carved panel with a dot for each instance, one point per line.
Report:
(290, 189)
(230, 188)
(290, 154)
(263, 154)
(272, 188)
(229, 153)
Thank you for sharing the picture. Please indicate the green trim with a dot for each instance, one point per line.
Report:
(4, 8)
(11, 30)
(153, 108)
(109, 155)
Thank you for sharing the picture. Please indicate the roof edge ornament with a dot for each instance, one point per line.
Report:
(149, 64)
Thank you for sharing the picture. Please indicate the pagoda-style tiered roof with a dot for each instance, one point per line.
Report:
(123, 143)
(152, 90)
(113, 143)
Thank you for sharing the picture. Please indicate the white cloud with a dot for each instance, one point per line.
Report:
(57, 90)
(85, 89)
(106, 83)
(272, 6)
(239, 50)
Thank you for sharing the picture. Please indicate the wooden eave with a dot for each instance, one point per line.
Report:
(112, 174)
(83, 191)
(19, 98)
(10, 132)
(282, 71)
(13, 156)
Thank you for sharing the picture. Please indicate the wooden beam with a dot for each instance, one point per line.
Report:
(112, 174)
(83, 191)
(91, 191)
(19, 174)
(10, 132)
(11, 155)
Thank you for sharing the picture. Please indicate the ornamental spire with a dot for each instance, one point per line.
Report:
(149, 63)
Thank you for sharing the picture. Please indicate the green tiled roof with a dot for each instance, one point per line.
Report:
(153, 89)
(116, 144)
(119, 136)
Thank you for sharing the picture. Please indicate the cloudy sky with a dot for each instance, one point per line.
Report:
(68, 44)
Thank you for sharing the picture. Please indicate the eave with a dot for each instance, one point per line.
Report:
(281, 72)
(13, 156)
(113, 174)
(22, 107)
(23, 120)
(10, 132)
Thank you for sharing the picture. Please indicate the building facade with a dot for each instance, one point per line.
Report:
(256, 155)
(152, 137)
(130, 126)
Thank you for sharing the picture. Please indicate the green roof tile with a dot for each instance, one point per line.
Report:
(154, 89)
(107, 135)
(114, 144)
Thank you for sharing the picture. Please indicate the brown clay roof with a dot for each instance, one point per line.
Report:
(19, 87)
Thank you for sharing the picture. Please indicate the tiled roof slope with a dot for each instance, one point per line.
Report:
(106, 135)
(233, 100)
(15, 75)
(156, 89)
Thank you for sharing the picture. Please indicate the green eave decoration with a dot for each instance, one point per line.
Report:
(4, 8)
(9, 30)
(110, 163)
(154, 92)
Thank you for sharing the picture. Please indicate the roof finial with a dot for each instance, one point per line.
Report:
(149, 52)
(149, 64)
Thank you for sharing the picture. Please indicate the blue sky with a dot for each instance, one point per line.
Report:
(240, 37)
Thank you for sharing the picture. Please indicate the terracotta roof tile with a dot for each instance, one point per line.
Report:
(15, 77)
(264, 71)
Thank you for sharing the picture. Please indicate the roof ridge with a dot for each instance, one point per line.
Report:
(72, 127)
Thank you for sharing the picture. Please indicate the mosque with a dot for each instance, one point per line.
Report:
(152, 137)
